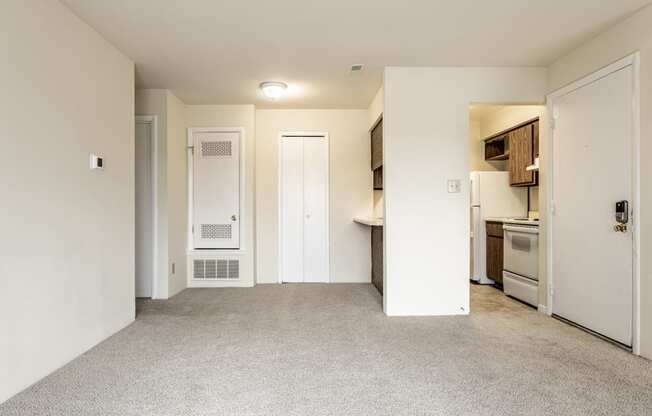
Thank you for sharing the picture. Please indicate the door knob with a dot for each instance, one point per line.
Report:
(620, 228)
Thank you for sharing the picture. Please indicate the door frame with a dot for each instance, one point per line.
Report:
(152, 120)
(632, 60)
(325, 136)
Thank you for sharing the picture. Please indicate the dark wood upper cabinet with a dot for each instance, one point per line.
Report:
(521, 155)
(377, 146)
(496, 148)
(377, 154)
(535, 135)
(519, 145)
(378, 179)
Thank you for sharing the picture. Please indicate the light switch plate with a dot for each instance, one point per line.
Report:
(96, 162)
(454, 186)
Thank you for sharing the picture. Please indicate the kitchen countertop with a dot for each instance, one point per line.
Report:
(512, 221)
(496, 219)
(370, 221)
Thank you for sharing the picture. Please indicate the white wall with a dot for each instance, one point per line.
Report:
(476, 141)
(426, 125)
(376, 107)
(631, 35)
(350, 188)
(233, 116)
(67, 267)
(177, 194)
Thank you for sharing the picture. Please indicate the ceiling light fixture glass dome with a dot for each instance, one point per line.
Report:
(273, 90)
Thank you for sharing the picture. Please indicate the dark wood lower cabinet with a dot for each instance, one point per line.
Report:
(377, 258)
(495, 252)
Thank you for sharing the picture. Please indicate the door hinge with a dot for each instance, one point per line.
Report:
(193, 229)
(552, 207)
(552, 123)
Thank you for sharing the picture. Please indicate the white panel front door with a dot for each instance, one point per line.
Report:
(216, 193)
(144, 210)
(304, 209)
(592, 170)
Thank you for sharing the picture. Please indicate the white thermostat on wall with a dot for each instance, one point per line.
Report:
(97, 162)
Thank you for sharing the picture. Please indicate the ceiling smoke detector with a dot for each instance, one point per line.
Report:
(356, 67)
(273, 90)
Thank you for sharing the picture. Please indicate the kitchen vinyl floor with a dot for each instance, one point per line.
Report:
(329, 350)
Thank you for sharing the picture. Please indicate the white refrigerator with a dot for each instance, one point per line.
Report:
(491, 197)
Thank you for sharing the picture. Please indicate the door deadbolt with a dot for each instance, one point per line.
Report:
(620, 228)
(234, 217)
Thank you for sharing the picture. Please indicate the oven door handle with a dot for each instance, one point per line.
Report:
(524, 230)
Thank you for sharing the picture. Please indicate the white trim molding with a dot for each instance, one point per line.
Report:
(632, 60)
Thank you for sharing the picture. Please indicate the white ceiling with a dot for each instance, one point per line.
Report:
(217, 52)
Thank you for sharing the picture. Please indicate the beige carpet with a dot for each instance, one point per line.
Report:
(329, 350)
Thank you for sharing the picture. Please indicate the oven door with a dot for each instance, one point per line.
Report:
(521, 250)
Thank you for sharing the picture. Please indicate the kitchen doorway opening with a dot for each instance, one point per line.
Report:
(504, 178)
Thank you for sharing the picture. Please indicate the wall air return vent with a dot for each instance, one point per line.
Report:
(215, 231)
(216, 269)
(198, 269)
(217, 148)
(234, 269)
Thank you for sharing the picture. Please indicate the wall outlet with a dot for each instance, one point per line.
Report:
(454, 186)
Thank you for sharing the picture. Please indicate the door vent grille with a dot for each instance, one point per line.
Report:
(219, 148)
(216, 269)
(215, 231)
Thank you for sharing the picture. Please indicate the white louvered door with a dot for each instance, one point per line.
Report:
(216, 190)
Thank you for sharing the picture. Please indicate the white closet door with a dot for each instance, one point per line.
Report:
(291, 210)
(315, 197)
(304, 209)
(216, 193)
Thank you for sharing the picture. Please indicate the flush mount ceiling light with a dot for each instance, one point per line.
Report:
(273, 90)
